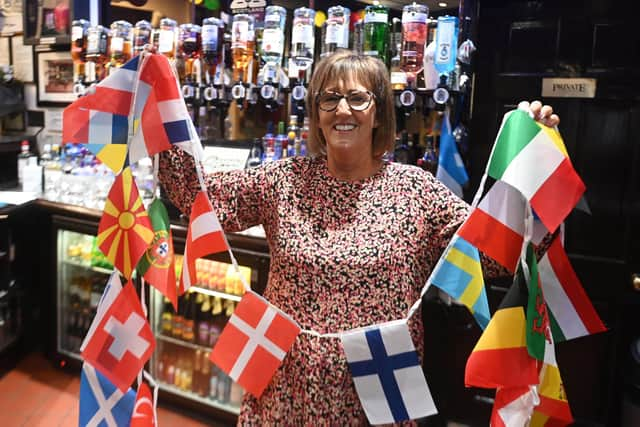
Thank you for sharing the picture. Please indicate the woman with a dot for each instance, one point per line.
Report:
(352, 238)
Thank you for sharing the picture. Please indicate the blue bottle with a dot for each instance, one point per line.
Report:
(446, 44)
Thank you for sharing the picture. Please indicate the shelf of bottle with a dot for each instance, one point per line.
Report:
(182, 343)
(87, 266)
(192, 396)
(213, 293)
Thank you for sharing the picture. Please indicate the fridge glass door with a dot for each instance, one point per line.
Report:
(83, 273)
(185, 338)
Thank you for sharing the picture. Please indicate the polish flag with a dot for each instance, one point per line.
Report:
(123, 341)
(254, 343)
(205, 236)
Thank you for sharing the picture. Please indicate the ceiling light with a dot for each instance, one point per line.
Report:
(442, 4)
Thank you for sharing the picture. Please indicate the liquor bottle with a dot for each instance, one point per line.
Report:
(178, 318)
(142, 32)
(213, 380)
(398, 76)
(242, 46)
(25, 159)
(166, 322)
(79, 29)
(302, 38)
(196, 380)
(357, 44)
(212, 41)
(280, 148)
(293, 137)
(414, 36)
(218, 321)
(97, 57)
(273, 38)
(189, 41)
(205, 374)
(255, 155)
(376, 32)
(166, 38)
(120, 44)
(189, 321)
(204, 321)
(170, 367)
(268, 144)
(336, 34)
(429, 160)
(446, 44)
(235, 394)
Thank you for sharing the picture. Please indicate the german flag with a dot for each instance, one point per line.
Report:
(500, 358)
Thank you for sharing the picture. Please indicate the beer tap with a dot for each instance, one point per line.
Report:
(445, 59)
(270, 81)
(414, 36)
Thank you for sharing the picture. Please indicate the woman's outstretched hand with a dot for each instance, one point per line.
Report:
(541, 113)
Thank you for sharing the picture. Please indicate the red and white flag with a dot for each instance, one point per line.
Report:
(513, 406)
(254, 343)
(143, 414)
(123, 341)
(205, 236)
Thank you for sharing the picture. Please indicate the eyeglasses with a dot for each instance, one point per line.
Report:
(357, 100)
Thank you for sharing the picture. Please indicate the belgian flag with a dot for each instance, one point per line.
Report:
(500, 358)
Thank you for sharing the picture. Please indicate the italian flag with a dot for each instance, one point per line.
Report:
(496, 225)
(572, 314)
(532, 158)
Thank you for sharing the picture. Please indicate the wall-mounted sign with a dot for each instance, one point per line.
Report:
(569, 87)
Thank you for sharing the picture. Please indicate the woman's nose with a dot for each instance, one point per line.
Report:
(343, 107)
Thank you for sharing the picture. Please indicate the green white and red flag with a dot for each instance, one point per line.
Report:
(532, 158)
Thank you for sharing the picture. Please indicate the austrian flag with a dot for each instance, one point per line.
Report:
(123, 340)
(254, 343)
(205, 236)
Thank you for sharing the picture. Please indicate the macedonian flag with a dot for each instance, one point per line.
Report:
(124, 231)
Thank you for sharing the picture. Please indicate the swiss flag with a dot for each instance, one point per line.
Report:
(205, 236)
(123, 341)
(143, 414)
(254, 343)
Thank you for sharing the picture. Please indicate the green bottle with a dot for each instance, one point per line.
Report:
(376, 32)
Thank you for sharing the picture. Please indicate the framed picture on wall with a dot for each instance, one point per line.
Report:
(55, 78)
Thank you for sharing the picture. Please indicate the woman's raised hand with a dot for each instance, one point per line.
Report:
(541, 113)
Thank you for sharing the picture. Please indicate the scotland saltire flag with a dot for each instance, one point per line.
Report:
(459, 274)
(451, 171)
(102, 403)
(387, 374)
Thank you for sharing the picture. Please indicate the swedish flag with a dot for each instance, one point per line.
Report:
(459, 274)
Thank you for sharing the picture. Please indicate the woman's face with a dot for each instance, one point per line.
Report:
(346, 131)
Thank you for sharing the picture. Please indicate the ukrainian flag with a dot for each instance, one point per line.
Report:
(459, 274)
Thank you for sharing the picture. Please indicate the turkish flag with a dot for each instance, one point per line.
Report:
(123, 341)
(143, 414)
(254, 342)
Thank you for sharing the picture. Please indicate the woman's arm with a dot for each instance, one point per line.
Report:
(236, 196)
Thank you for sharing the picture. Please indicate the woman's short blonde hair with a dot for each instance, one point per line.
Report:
(372, 74)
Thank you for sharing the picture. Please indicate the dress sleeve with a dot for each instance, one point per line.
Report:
(237, 197)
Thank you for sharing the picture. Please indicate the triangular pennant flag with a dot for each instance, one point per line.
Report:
(500, 357)
(451, 170)
(143, 414)
(254, 342)
(101, 119)
(538, 326)
(572, 314)
(205, 236)
(387, 373)
(496, 225)
(532, 158)
(111, 291)
(460, 275)
(513, 406)
(124, 232)
(102, 403)
(123, 341)
(157, 265)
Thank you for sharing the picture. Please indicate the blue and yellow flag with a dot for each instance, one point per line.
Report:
(459, 274)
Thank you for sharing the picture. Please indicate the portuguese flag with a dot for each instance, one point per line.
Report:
(532, 158)
(500, 358)
(157, 263)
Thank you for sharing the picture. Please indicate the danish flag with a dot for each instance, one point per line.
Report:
(254, 343)
(205, 236)
(123, 341)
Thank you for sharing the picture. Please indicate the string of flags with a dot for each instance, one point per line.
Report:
(138, 111)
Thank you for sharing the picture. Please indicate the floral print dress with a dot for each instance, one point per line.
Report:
(343, 255)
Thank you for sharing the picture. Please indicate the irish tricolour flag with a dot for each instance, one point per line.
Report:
(532, 158)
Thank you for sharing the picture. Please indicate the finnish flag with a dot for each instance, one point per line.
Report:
(101, 402)
(386, 372)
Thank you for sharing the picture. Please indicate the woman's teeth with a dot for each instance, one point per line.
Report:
(344, 127)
